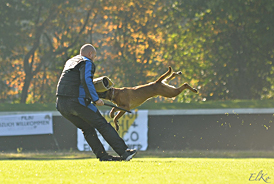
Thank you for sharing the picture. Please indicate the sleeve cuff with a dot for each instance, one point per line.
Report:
(94, 101)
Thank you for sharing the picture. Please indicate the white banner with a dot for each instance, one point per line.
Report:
(26, 124)
(133, 128)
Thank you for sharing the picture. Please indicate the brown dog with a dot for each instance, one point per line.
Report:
(131, 97)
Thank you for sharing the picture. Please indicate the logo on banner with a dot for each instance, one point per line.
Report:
(132, 128)
(125, 122)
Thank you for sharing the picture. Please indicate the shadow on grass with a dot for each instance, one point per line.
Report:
(141, 154)
(42, 158)
(61, 155)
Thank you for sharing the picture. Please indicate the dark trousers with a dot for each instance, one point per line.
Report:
(88, 120)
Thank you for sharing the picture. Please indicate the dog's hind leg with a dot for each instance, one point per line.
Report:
(115, 120)
(171, 92)
(187, 86)
(174, 74)
(164, 75)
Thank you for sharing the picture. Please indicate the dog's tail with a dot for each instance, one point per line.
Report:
(164, 75)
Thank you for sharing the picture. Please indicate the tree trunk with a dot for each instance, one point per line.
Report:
(24, 94)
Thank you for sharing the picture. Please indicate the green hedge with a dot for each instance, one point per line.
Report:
(152, 105)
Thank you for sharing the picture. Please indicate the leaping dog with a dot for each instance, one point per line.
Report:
(131, 97)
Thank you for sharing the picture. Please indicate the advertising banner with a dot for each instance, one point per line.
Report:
(26, 124)
(133, 128)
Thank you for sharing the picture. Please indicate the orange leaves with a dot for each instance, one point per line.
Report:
(130, 4)
(175, 46)
(120, 24)
(14, 78)
(82, 21)
(66, 44)
(106, 24)
(111, 27)
(135, 40)
(149, 12)
(108, 39)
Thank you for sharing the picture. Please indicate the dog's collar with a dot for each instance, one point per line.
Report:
(112, 95)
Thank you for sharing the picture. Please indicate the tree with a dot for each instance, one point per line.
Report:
(132, 41)
(52, 30)
(216, 44)
(237, 44)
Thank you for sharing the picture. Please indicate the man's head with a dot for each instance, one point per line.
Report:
(88, 51)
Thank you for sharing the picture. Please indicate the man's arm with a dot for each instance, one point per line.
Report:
(86, 77)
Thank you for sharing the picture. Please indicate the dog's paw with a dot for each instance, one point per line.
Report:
(179, 73)
(195, 90)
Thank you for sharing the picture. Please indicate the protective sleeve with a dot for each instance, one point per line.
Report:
(86, 77)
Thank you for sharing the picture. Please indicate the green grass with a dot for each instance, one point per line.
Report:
(151, 105)
(138, 170)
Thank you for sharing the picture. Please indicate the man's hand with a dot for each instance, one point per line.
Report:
(99, 102)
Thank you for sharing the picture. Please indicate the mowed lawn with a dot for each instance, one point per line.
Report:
(138, 170)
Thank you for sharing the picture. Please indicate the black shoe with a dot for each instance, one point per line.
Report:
(129, 154)
(111, 158)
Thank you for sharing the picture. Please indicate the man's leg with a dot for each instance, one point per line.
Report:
(64, 107)
(113, 138)
(90, 135)
(96, 120)
(106, 130)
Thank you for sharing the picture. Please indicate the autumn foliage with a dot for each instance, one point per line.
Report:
(224, 49)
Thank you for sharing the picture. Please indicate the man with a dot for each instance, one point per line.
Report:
(75, 92)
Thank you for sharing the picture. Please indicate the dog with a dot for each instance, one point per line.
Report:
(131, 97)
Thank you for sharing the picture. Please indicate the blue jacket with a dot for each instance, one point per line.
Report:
(76, 81)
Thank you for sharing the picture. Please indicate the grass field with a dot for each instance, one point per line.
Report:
(193, 167)
(138, 170)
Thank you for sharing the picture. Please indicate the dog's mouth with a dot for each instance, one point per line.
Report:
(102, 94)
(105, 94)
